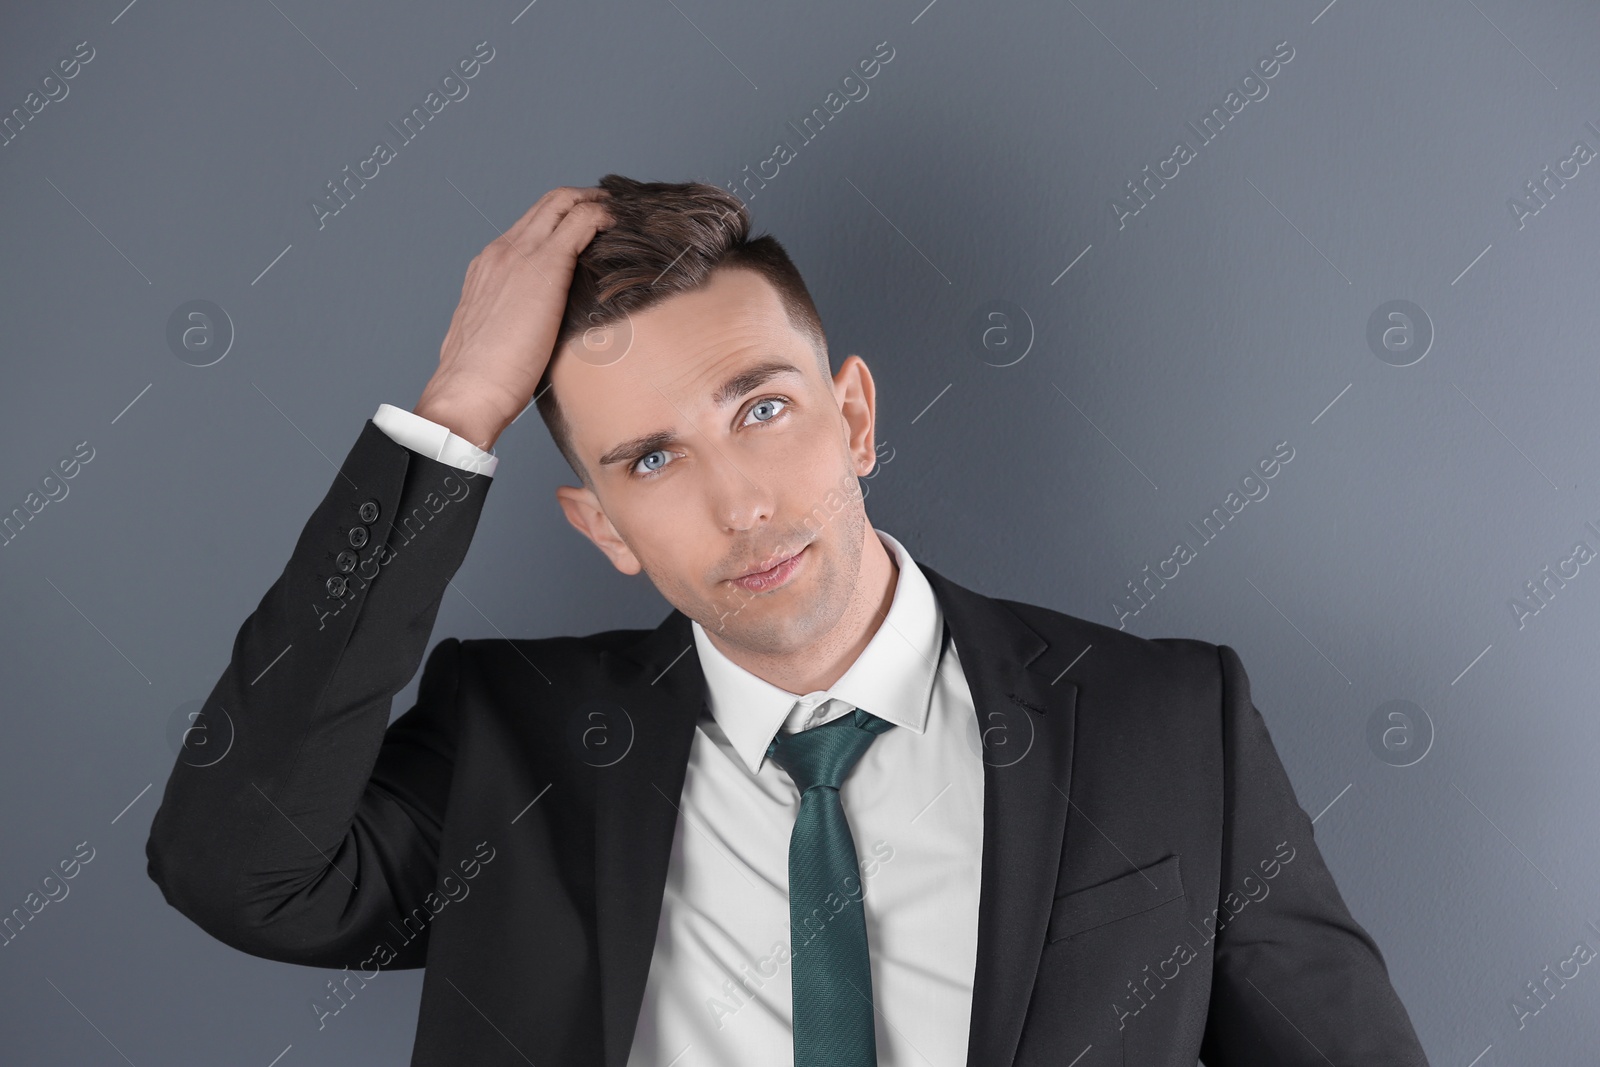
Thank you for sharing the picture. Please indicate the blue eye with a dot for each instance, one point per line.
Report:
(768, 403)
(764, 411)
(652, 468)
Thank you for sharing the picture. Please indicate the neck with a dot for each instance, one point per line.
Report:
(825, 661)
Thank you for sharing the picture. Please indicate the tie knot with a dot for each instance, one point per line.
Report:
(824, 755)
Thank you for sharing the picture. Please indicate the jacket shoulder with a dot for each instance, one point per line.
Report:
(1072, 635)
(1150, 706)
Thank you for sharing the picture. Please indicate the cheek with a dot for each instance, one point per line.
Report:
(669, 535)
(811, 460)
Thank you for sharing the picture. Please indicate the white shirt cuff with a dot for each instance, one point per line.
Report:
(431, 439)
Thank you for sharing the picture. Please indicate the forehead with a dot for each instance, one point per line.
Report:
(679, 352)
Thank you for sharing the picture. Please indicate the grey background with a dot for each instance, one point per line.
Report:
(1229, 315)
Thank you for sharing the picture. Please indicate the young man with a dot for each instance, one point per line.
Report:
(835, 809)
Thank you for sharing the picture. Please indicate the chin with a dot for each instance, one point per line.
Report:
(783, 621)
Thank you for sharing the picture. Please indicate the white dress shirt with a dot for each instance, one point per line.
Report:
(719, 991)
(428, 437)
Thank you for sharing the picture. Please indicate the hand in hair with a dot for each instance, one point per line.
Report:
(504, 329)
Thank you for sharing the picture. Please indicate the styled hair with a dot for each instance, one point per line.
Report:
(668, 238)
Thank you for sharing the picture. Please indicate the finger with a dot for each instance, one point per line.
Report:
(541, 219)
(560, 192)
(544, 224)
(575, 229)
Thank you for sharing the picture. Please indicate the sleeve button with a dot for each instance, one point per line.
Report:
(368, 512)
(358, 536)
(336, 585)
(346, 561)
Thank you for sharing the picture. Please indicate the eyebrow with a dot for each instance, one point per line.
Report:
(748, 380)
(745, 381)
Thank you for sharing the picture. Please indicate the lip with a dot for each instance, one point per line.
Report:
(773, 577)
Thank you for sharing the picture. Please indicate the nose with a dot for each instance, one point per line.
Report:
(740, 499)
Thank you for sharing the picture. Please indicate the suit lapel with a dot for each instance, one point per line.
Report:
(636, 811)
(1025, 713)
(1026, 726)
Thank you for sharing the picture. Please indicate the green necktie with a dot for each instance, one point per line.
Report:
(833, 1016)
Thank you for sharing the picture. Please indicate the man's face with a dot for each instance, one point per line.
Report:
(718, 447)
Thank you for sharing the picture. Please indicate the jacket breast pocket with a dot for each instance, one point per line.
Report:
(1129, 894)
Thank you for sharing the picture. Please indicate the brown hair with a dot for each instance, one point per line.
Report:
(668, 238)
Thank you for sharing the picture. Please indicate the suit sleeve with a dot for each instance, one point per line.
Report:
(305, 828)
(1296, 980)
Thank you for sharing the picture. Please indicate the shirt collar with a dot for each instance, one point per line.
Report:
(892, 678)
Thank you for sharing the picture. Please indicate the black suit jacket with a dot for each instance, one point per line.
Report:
(1151, 891)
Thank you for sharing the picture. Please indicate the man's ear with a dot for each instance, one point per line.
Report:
(583, 510)
(856, 395)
